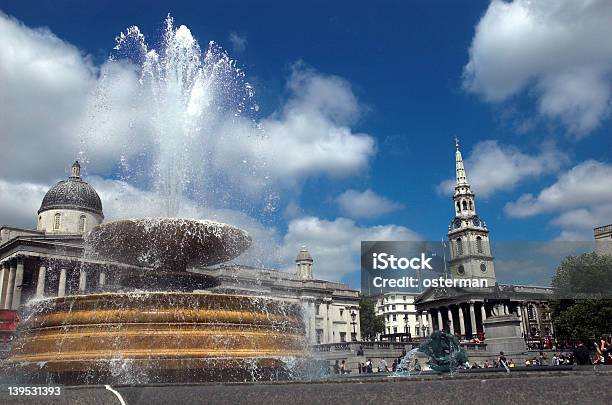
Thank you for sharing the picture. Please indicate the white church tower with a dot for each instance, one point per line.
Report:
(467, 233)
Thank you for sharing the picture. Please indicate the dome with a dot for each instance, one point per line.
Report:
(303, 255)
(72, 193)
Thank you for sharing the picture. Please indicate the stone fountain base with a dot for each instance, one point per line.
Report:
(158, 337)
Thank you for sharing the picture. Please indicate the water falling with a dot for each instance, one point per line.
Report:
(187, 97)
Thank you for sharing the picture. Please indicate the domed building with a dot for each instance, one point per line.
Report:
(71, 206)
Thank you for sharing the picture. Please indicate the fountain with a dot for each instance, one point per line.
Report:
(153, 320)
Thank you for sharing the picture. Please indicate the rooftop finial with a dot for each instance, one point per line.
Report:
(76, 170)
(456, 143)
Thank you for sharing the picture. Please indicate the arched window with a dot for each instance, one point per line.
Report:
(464, 205)
(82, 220)
(57, 221)
(479, 244)
(459, 247)
(471, 205)
(458, 207)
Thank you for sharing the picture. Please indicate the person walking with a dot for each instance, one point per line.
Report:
(582, 356)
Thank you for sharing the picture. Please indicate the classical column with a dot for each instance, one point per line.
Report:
(519, 313)
(473, 319)
(102, 281)
(61, 290)
(18, 284)
(526, 319)
(483, 312)
(440, 323)
(461, 321)
(330, 327)
(429, 321)
(506, 309)
(9, 286)
(537, 315)
(3, 274)
(451, 325)
(82, 280)
(40, 283)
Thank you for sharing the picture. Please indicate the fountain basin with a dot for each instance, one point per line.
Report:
(158, 336)
(166, 243)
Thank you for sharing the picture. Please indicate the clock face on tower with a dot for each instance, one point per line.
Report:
(476, 221)
(457, 223)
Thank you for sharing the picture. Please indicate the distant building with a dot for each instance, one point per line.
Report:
(50, 261)
(402, 321)
(463, 310)
(603, 239)
(331, 310)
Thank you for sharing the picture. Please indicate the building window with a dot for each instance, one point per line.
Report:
(394, 317)
(82, 223)
(405, 307)
(393, 307)
(341, 312)
(479, 244)
(319, 336)
(416, 330)
(461, 270)
(318, 309)
(464, 204)
(395, 329)
(342, 337)
(459, 246)
(57, 221)
(404, 298)
(353, 337)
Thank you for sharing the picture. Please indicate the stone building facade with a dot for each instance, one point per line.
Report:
(50, 261)
(464, 311)
(603, 239)
(331, 310)
(402, 321)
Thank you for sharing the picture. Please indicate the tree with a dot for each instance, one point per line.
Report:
(582, 304)
(370, 324)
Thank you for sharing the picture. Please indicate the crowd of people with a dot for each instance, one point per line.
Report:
(580, 354)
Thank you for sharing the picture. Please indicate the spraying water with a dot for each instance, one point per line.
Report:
(184, 99)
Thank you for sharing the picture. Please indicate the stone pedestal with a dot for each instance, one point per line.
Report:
(503, 334)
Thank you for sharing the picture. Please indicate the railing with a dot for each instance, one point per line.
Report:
(602, 229)
(356, 347)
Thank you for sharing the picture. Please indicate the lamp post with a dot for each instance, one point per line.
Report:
(354, 323)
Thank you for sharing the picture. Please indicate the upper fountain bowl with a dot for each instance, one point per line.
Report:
(167, 243)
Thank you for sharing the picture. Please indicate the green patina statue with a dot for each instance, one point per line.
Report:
(444, 351)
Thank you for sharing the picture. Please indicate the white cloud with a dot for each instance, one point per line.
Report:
(558, 50)
(19, 203)
(56, 104)
(580, 197)
(492, 167)
(335, 245)
(365, 204)
(239, 42)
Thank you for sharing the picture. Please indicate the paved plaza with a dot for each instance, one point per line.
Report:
(532, 388)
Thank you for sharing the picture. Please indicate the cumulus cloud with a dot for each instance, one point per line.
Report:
(56, 105)
(580, 198)
(239, 42)
(335, 245)
(492, 167)
(557, 50)
(365, 204)
(310, 135)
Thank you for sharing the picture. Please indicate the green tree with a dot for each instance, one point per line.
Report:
(370, 324)
(582, 304)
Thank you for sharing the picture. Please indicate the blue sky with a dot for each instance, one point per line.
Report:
(542, 107)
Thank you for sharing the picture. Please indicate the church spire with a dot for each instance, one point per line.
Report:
(461, 178)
